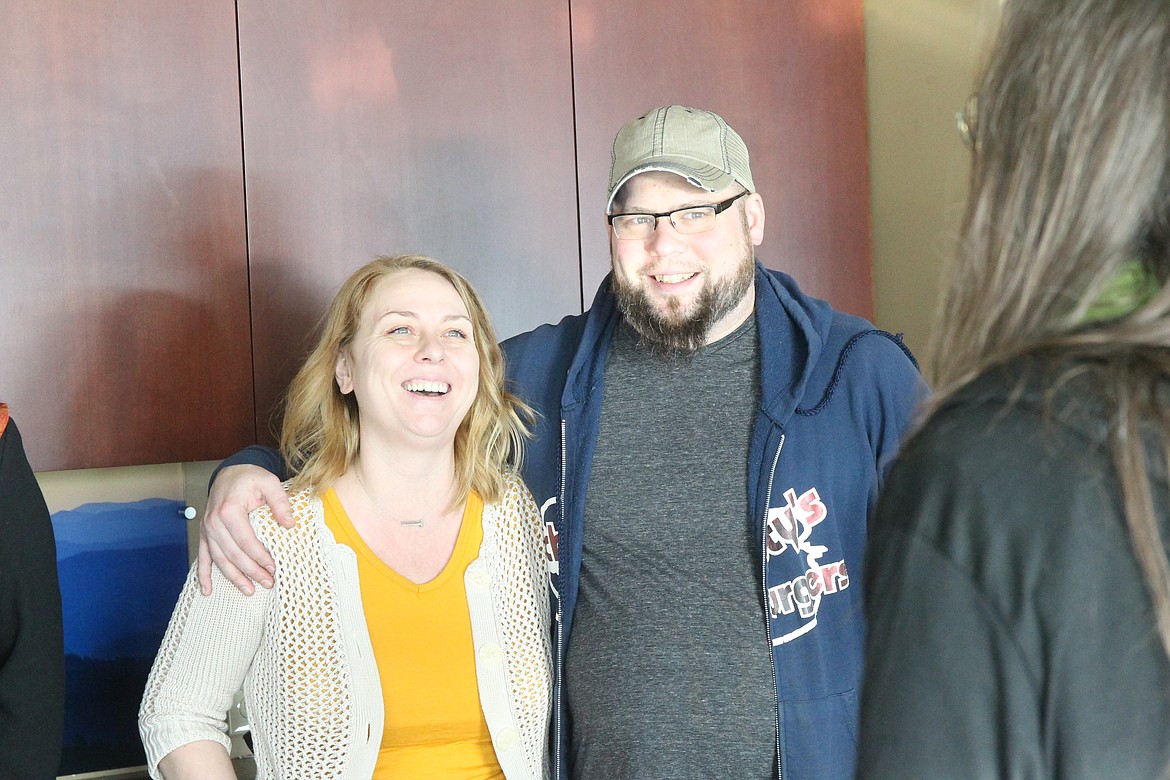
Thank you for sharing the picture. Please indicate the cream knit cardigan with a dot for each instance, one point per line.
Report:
(303, 655)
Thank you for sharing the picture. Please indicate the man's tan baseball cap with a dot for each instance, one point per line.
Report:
(690, 142)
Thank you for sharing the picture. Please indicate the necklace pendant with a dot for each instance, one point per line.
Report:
(414, 523)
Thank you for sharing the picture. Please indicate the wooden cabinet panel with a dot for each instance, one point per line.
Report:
(475, 133)
(123, 290)
(789, 76)
(384, 126)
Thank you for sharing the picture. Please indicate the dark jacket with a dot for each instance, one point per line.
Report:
(32, 650)
(1011, 635)
(836, 397)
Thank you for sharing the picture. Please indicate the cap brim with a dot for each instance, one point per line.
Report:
(706, 177)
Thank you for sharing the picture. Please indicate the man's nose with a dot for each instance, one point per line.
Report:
(665, 239)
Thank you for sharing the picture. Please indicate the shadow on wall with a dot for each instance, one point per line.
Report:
(288, 311)
(293, 274)
(139, 404)
(142, 352)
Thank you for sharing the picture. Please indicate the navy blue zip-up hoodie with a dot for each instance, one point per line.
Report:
(836, 397)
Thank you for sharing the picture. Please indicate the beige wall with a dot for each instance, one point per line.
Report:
(921, 59)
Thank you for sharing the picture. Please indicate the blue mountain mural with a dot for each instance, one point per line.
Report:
(121, 567)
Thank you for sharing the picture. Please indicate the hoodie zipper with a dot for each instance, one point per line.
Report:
(767, 620)
(561, 621)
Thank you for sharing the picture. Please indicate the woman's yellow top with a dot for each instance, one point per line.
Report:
(421, 635)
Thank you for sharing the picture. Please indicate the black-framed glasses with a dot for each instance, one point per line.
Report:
(693, 219)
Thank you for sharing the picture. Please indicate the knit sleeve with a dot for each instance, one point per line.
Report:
(527, 629)
(205, 654)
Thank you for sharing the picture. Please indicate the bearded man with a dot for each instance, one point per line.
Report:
(710, 442)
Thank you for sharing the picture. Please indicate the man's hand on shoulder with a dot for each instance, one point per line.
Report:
(226, 537)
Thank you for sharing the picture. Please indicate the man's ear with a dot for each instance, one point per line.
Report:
(342, 375)
(753, 210)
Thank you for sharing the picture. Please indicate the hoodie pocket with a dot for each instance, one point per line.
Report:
(819, 737)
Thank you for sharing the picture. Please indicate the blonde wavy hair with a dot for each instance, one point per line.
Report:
(320, 433)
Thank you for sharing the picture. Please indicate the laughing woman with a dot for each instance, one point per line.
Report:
(407, 632)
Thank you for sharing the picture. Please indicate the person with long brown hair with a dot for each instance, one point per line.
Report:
(1017, 578)
(407, 634)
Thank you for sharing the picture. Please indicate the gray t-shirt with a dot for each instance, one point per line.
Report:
(668, 671)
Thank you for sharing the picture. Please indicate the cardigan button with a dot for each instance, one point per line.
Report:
(491, 654)
(507, 739)
(479, 578)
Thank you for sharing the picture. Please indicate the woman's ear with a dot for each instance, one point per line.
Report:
(342, 375)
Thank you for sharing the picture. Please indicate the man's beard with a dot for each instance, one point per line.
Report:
(670, 333)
